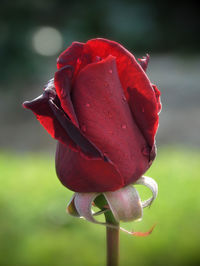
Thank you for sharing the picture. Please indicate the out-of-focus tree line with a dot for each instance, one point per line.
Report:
(141, 26)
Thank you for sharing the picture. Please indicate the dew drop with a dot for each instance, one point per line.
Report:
(63, 93)
(124, 98)
(98, 58)
(123, 126)
(83, 128)
(110, 71)
(87, 105)
(105, 156)
(146, 151)
(78, 61)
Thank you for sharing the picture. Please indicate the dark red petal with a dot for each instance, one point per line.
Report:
(40, 107)
(70, 55)
(60, 127)
(82, 175)
(132, 76)
(74, 133)
(62, 81)
(101, 107)
(144, 61)
(145, 113)
(128, 68)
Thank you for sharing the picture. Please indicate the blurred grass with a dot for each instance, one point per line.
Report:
(35, 229)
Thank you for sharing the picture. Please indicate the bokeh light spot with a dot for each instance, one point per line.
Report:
(47, 41)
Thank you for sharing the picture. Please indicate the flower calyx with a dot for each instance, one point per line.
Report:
(123, 204)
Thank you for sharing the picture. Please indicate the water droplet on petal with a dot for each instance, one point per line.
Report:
(143, 110)
(146, 151)
(106, 159)
(124, 98)
(98, 58)
(63, 93)
(83, 128)
(87, 105)
(123, 126)
(105, 153)
(78, 61)
(110, 71)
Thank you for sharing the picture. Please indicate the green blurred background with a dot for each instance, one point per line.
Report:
(34, 227)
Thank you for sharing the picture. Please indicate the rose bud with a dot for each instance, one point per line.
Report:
(103, 110)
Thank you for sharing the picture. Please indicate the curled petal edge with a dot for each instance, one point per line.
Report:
(124, 203)
(144, 61)
(152, 185)
(80, 206)
(83, 204)
(142, 234)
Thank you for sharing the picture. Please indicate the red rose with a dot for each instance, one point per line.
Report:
(103, 110)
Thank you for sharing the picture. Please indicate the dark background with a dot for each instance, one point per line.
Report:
(153, 26)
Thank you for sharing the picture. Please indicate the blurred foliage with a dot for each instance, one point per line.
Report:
(141, 26)
(35, 230)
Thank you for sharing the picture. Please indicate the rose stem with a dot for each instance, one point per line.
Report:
(112, 234)
(112, 246)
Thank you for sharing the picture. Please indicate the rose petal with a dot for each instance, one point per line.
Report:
(71, 208)
(130, 71)
(142, 95)
(145, 114)
(83, 204)
(125, 204)
(59, 126)
(152, 185)
(75, 134)
(63, 86)
(40, 107)
(101, 106)
(70, 55)
(82, 175)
